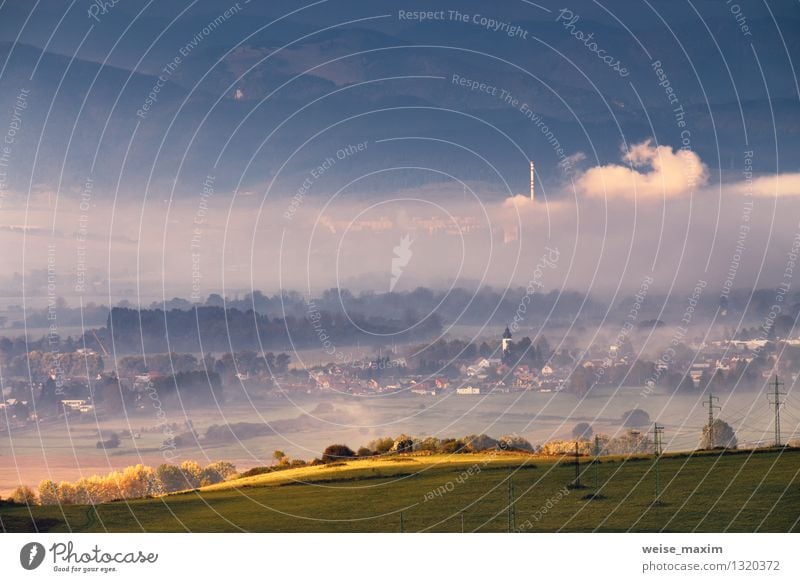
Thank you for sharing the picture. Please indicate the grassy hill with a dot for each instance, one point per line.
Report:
(714, 492)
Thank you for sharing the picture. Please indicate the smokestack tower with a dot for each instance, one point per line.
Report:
(532, 190)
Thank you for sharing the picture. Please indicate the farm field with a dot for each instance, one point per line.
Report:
(67, 451)
(704, 492)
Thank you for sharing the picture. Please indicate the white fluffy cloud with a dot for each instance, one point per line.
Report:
(776, 185)
(651, 172)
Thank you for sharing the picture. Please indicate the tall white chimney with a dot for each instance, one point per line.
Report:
(532, 191)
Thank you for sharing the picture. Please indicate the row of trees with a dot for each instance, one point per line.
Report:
(131, 483)
(219, 330)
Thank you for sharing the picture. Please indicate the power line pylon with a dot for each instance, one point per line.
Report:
(711, 407)
(658, 432)
(776, 402)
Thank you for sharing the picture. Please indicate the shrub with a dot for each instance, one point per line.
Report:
(256, 471)
(337, 453)
(112, 442)
(364, 452)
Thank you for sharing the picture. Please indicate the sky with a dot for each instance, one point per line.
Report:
(182, 149)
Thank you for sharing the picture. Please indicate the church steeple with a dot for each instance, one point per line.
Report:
(506, 341)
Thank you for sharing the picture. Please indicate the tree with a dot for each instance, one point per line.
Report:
(171, 478)
(282, 363)
(66, 493)
(279, 456)
(336, 453)
(403, 444)
(635, 418)
(23, 495)
(224, 468)
(582, 431)
(48, 492)
(382, 445)
(191, 474)
(513, 442)
(718, 435)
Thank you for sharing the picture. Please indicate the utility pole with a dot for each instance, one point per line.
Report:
(658, 431)
(596, 461)
(776, 402)
(402, 525)
(512, 518)
(462, 522)
(577, 484)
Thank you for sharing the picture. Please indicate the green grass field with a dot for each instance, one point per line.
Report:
(708, 492)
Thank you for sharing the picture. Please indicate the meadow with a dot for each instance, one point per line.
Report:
(745, 491)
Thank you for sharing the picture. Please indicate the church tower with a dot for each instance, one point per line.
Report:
(506, 342)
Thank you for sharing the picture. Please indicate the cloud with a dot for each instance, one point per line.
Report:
(652, 172)
(770, 186)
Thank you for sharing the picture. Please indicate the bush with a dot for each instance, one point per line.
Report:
(451, 446)
(112, 442)
(364, 452)
(256, 471)
(337, 453)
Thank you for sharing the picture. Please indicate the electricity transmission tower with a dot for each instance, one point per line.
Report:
(512, 515)
(658, 432)
(711, 407)
(776, 402)
(596, 461)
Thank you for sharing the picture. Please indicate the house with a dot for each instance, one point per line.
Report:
(468, 390)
